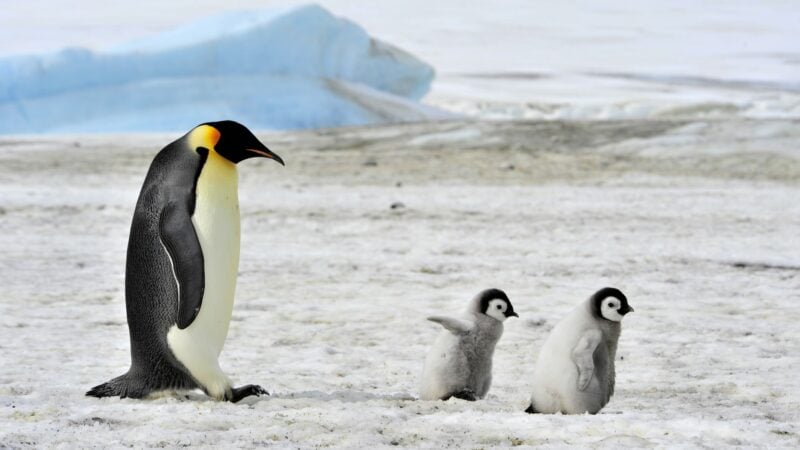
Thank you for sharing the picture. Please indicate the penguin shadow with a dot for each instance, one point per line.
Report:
(346, 396)
(200, 397)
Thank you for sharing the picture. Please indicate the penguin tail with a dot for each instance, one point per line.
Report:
(118, 387)
(531, 410)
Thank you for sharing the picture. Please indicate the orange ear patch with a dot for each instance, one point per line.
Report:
(204, 136)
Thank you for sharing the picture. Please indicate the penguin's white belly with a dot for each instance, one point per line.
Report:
(216, 222)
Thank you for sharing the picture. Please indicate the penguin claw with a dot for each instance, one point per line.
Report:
(247, 391)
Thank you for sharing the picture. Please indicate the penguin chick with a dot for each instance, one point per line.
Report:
(182, 262)
(575, 370)
(460, 362)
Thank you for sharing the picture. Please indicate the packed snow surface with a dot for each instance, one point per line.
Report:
(697, 222)
(284, 68)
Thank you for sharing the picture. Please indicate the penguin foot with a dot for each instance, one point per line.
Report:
(531, 410)
(246, 391)
(466, 394)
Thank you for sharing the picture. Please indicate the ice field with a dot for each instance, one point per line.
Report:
(697, 225)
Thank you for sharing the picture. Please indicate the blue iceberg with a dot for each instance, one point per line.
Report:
(276, 69)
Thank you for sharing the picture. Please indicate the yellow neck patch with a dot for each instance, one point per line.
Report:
(203, 136)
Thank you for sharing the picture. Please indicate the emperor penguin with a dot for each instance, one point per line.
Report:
(182, 263)
(574, 373)
(460, 362)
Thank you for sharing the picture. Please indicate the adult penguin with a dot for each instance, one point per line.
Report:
(182, 263)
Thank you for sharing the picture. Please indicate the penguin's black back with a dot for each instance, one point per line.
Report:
(151, 289)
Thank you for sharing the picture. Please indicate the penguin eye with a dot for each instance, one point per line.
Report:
(610, 304)
(499, 307)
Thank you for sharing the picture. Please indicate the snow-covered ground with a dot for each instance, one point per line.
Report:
(696, 221)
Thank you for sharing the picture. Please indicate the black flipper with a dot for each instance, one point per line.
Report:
(531, 410)
(246, 391)
(180, 239)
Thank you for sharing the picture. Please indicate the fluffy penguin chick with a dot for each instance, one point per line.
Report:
(575, 370)
(460, 362)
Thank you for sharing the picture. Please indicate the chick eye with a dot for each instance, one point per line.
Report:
(499, 307)
(610, 305)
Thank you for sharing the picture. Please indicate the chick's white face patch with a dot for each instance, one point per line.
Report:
(497, 309)
(609, 309)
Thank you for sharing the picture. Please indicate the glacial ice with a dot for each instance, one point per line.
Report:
(287, 68)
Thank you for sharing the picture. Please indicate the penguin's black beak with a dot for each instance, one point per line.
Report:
(512, 314)
(264, 152)
(626, 309)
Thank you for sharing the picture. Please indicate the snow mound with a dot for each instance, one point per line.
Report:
(287, 68)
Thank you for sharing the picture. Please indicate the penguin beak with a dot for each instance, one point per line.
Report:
(512, 314)
(266, 153)
(629, 309)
